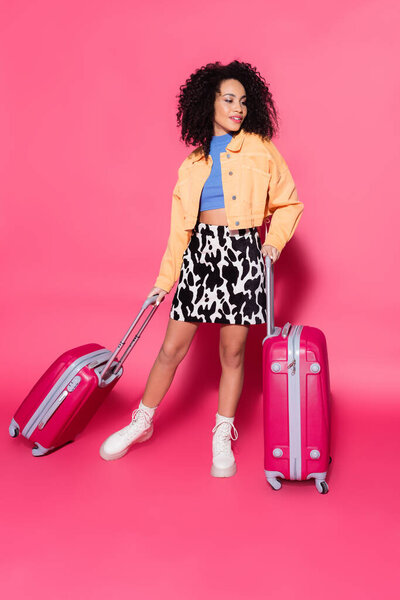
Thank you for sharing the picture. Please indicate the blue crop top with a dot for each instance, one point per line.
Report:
(212, 195)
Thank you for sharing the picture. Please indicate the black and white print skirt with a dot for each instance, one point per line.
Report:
(222, 278)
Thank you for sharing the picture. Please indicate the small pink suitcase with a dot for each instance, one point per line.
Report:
(296, 394)
(68, 394)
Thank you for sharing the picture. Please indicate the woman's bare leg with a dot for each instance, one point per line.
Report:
(231, 351)
(178, 337)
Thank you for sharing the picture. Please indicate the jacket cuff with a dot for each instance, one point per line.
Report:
(163, 283)
(273, 240)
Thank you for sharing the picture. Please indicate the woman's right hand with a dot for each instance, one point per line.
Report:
(160, 292)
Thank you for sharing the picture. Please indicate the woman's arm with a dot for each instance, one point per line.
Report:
(177, 243)
(284, 206)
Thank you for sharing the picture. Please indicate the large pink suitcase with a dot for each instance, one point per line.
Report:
(68, 394)
(296, 400)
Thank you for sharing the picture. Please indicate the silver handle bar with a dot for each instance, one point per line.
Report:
(116, 367)
(269, 282)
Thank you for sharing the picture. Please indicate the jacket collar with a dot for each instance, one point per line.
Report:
(234, 146)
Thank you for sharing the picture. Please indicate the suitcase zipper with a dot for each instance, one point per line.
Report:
(73, 384)
(52, 409)
(56, 390)
(294, 402)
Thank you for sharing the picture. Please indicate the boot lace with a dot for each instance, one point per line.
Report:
(223, 436)
(140, 420)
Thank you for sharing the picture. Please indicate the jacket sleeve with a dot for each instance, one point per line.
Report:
(284, 206)
(177, 243)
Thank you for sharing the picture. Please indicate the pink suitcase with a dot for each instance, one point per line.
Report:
(68, 394)
(296, 400)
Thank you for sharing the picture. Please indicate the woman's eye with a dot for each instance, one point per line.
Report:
(230, 102)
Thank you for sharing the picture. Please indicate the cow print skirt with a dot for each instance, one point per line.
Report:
(222, 278)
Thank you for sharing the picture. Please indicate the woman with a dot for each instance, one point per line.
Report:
(227, 187)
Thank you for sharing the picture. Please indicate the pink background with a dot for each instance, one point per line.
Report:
(89, 157)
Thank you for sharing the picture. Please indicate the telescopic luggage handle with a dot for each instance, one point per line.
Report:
(269, 284)
(105, 372)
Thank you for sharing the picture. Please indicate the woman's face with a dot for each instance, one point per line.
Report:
(230, 102)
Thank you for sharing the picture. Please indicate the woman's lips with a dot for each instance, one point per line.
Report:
(236, 119)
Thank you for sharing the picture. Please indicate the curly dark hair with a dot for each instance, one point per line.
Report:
(195, 113)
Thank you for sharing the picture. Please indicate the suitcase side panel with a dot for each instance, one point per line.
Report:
(74, 413)
(52, 431)
(315, 405)
(43, 388)
(276, 406)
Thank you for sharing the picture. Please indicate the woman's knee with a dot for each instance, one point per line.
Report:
(172, 353)
(232, 356)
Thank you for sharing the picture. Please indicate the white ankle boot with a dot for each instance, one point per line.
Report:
(139, 429)
(223, 464)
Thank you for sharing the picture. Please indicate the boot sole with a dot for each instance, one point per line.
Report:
(117, 455)
(223, 472)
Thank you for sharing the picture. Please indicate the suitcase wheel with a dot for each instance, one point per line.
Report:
(38, 450)
(321, 486)
(13, 429)
(274, 483)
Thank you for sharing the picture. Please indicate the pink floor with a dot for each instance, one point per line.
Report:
(155, 524)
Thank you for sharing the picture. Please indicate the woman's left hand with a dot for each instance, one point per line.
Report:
(272, 252)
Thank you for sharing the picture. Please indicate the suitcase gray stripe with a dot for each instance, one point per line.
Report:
(294, 401)
(56, 390)
(53, 407)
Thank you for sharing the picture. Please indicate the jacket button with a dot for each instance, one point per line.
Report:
(237, 222)
(233, 197)
(230, 173)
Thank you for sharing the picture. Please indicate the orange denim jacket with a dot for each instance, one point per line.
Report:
(256, 182)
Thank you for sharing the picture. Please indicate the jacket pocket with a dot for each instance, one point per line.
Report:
(255, 184)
